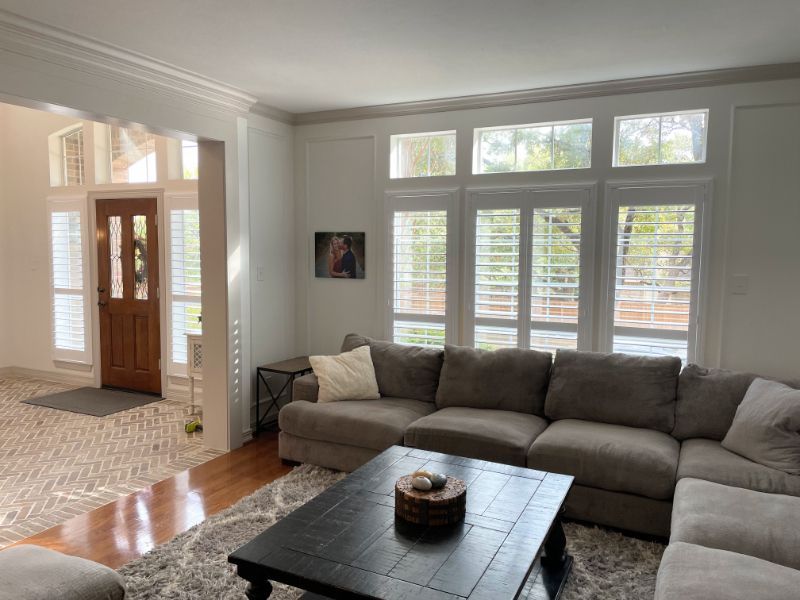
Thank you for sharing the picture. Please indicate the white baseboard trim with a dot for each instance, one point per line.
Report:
(247, 435)
(54, 376)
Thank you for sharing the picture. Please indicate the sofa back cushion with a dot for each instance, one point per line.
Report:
(508, 379)
(401, 371)
(708, 399)
(620, 389)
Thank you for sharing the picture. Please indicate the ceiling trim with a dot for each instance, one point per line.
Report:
(26, 37)
(271, 112)
(566, 92)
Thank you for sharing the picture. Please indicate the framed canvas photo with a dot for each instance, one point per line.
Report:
(339, 254)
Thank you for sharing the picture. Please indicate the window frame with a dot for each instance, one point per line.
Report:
(394, 157)
(78, 204)
(110, 157)
(177, 201)
(659, 193)
(615, 149)
(424, 200)
(476, 145)
(528, 199)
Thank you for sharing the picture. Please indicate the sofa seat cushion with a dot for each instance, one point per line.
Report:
(375, 424)
(720, 516)
(609, 457)
(505, 379)
(494, 435)
(636, 391)
(690, 572)
(34, 573)
(707, 459)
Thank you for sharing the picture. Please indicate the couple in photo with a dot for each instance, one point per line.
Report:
(341, 260)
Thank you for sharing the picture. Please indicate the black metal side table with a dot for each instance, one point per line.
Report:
(293, 368)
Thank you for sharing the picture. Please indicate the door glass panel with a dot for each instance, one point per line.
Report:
(115, 254)
(140, 256)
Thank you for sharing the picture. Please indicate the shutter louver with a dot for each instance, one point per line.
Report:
(497, 281)
(185, 283)
(419, 270)
(653, 279)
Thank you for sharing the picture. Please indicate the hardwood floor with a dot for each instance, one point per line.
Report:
(127, 528)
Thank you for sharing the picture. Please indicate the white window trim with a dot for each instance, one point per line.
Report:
(62, 355)
(655, 193)
(697, 111)
(394, 158)
(181, 201)
(435, 199)
(527, 198)
(476, 145)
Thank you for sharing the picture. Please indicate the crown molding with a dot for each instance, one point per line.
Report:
(271, 112)
(567, 92)
(32, 39)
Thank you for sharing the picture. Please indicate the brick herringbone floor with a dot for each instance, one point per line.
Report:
(56, 464)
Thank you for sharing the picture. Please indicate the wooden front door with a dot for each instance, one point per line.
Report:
(128, 296)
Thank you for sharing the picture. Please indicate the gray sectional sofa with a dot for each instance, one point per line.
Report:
(641, 437)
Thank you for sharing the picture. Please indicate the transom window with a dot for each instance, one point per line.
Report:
(189, 159)
(536, 147)
(132, 154)
(660, 139)
(423, 154)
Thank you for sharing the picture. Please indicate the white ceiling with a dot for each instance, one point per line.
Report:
(308, 55)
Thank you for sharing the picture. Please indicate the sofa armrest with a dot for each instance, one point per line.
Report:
(306, 388)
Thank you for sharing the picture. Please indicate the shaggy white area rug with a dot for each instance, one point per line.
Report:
(194, 565)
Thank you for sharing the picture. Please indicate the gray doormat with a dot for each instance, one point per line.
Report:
(97, 402)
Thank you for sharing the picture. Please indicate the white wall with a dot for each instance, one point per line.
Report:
(5, 288)
(342, 171)
(272, 265)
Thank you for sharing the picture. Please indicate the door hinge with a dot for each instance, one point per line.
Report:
(159, 364)
(158, 293)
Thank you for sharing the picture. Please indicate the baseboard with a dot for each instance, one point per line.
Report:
(54, 376)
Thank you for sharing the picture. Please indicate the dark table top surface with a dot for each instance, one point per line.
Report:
(347, 542)
(290, 366)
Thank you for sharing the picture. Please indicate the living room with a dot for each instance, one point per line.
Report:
(628, 212)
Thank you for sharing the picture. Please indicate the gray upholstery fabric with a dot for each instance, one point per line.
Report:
(494, 435)
(34, 573)
(401, 371)
(690, 572)
(707, 401)
(305, 388)
(341, 457)
(506, 379)
(617, 509)
(766, 428)
(729, 518)
(610, 457)
(374, 424)
(614, 388)
(707, 459)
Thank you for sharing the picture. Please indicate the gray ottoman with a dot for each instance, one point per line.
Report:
(35, 573)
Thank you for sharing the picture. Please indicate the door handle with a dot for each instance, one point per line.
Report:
(101, 289)
(101, 304)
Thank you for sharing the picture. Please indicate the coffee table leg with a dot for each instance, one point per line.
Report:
(259, 590)
(555, 546)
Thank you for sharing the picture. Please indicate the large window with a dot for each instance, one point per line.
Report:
(67, 157)
(132, 155)
(661, 139)
(421, 268)
(70, 306)
(536, 147)
(530, 268)
(184, 276)
(422, 154)
(654, 268)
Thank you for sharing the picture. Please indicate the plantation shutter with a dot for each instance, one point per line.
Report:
(420, 266)
(185, 283)
(655, 270)
(70, 320)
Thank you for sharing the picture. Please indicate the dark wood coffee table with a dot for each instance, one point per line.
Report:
(346, 543)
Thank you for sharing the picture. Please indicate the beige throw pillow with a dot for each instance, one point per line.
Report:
(348, 376)
(766, 428)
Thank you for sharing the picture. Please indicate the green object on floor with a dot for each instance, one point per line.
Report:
(193, 426)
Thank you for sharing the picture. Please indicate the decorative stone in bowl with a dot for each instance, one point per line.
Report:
(444, 505)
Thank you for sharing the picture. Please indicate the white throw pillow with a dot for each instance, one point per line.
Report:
(348, 376)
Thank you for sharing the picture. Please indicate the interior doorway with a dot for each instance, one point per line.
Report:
(128, 294)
